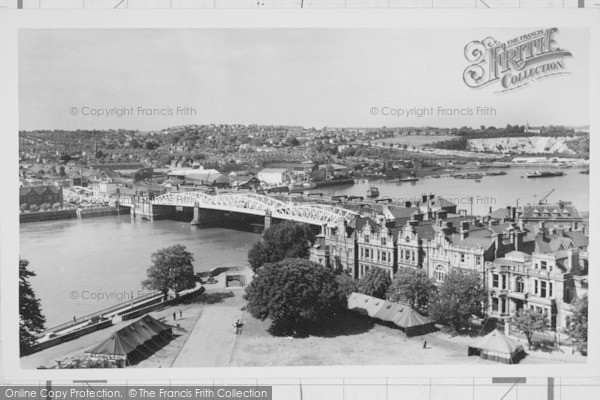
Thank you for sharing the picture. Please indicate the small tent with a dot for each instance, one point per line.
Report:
(134, 342)
(497, 346)
(402, 315)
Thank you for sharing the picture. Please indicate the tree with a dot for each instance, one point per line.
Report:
(171, 269)
(412, 286)
(578, 326)
(297, 295)
(375, 283)
(287, 239)
(31, 320)
(347, 285)
(459, 296)
(529, 321)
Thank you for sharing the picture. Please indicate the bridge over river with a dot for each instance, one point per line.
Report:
(250, 204)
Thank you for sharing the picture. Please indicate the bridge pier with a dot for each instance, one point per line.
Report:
(268, 221)
(203, 217)
(196, 220)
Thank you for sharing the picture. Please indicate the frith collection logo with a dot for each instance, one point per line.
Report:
(516, 62)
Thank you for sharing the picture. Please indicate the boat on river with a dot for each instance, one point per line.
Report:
(373, 191)
(544, 174)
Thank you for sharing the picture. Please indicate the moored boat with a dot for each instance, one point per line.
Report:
(544, 174)
(373, 191)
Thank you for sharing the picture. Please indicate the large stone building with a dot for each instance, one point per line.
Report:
(539, 263)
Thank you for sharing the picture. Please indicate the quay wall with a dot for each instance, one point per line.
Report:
(71, 214)
(47, 215)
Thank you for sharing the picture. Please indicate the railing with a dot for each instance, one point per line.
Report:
(99, 314)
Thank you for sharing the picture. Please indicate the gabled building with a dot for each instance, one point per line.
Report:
(38, 195)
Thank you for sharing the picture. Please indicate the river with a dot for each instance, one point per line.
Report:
(76, 260)
(492, 191)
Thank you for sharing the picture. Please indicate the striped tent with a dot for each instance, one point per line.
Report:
(401, 315)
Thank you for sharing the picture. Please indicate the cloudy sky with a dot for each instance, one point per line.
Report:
(308, 77)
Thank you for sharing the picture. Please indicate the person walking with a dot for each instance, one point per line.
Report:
(174, 316)
(180, 314)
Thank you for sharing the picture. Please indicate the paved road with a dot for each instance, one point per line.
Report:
(211, 342)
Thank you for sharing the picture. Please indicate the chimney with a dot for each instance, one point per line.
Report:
(464, 233)
(519, 241)
(424, 199)
(521, 225)
(407, 204)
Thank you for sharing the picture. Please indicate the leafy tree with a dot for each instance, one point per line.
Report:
(578, 327)
(375, 282)
(151, 145)
(529, 321)
(412, 286)
(31, 320)
(56, 206)
(171, 269)
(34, 208)
(296, 294)
(23, 207)
(287, 239)
(45, 207)
(459, 296)
(347, 285)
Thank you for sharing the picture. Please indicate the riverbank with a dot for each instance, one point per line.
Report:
(72, 213)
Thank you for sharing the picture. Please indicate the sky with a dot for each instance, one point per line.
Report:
(307, 77)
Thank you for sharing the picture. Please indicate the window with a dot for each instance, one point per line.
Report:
(543, 265)
(407, 255)
(495, 280)
(383, 256)
(366, 238)
(550, 289)
(536, 286)
(413, 255)
(462, 257)
(366, 253)
(383, 241)
(362, 252)
(504, 282)
(520, 285)
(439, 273)
(543, 289)
(495, 304)
(478, 261)
(378, 255)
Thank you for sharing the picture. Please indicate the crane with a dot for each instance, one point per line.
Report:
(536, 195)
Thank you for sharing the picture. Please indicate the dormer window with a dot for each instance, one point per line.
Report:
(366, 238)
(383, 241)
(536, 214)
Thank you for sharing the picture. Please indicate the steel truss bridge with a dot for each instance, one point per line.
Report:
(256, 204)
